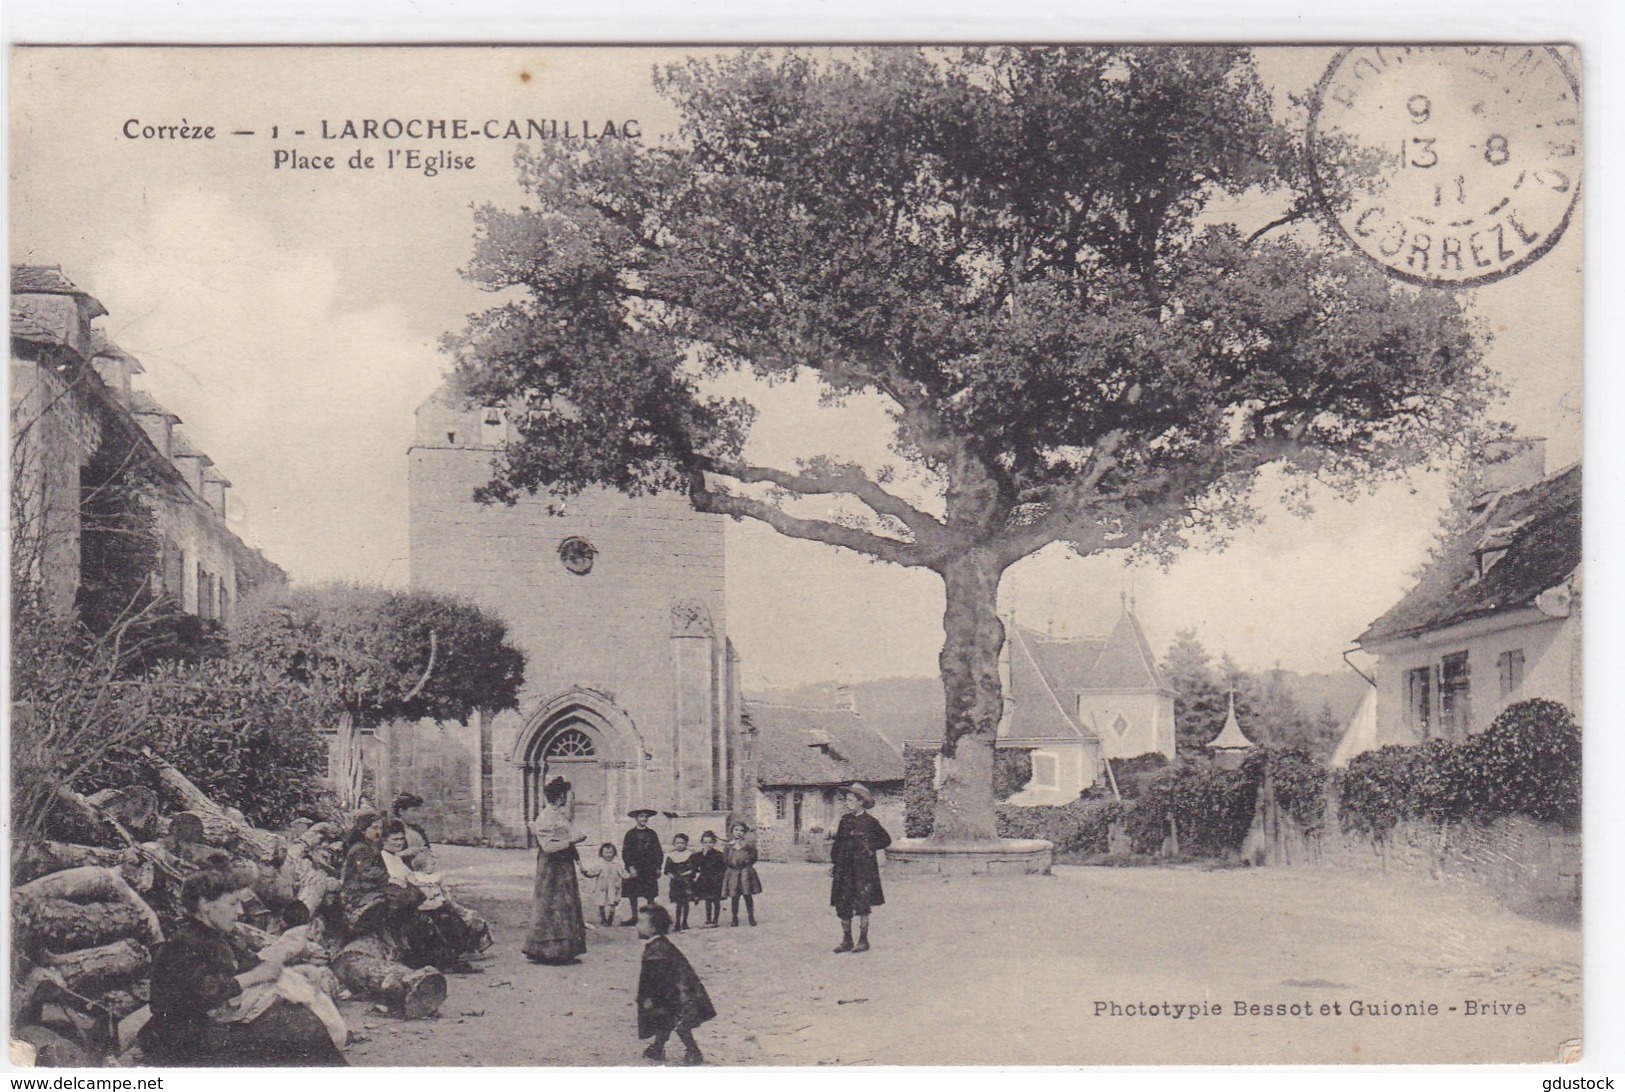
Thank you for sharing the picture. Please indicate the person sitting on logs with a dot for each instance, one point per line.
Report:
(419, 852)
(464, 931)
(210, 1008)
(375, 905)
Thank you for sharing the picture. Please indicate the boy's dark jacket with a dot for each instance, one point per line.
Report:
(671, 996)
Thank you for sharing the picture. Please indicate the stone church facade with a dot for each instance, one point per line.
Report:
(631, 688)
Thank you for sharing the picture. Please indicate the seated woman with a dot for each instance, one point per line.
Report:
(373, 905)
(456, 929)
(421, 931)
(199, 986)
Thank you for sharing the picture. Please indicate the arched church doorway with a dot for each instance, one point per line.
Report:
(568, 749)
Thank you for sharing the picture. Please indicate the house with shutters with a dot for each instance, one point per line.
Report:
(1074, 703)
(1494, 619)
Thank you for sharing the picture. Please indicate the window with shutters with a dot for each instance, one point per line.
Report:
(1455, 696)
(1510, 664)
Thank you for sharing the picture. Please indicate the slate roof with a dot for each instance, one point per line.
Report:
(1538, 527)
(143, 402)
(1047, 674)
(102, 345)
(49, 280)
(786, 753)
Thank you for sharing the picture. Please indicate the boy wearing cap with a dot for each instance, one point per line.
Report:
(854, 870)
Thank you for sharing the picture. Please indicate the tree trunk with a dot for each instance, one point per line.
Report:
(218, 827)
(367, 969)
(120, 959)
(42, 858)
(88, 884)
(64, 926)
(973, 642)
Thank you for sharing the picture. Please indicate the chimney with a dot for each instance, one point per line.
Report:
(1508, 466)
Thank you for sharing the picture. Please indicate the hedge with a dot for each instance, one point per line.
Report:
(1526, 763)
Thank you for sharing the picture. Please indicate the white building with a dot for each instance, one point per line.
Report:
(1494, 619)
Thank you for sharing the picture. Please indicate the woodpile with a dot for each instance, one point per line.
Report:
(87, 920)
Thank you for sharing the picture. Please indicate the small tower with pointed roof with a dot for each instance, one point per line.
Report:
(1231, 745)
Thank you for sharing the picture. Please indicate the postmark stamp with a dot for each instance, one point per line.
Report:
(1448, 165)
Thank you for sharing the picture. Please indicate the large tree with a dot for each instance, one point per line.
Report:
(1022, 251)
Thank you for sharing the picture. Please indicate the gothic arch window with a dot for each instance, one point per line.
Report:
(570, 743)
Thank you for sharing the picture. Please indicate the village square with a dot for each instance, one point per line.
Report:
(1165, 656)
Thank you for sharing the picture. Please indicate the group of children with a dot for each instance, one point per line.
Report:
(671, 997)
(709, 874)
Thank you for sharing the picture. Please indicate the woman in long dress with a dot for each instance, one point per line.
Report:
(558, 933)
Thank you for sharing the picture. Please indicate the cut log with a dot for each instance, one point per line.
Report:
(85, 969)
(90, 884)
(134, 807)
(367, 970)
(56, 1051)
(42, 858)
(64, 926)
(218, 827)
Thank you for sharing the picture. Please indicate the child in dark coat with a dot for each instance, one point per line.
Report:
(671, 997)
(708, 883)
(854, 887)
(683, 867)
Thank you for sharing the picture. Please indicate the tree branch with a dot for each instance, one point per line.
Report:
(907, 554)
(832, 481)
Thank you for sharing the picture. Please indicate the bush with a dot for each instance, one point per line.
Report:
(1211, 807)
(1526, 763)
(248, 738)
(1133, 773)
(1012, 769)
(1082, 826)
(1297, 780)
(919, 791)
(1531, 756)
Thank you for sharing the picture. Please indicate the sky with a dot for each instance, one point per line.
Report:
(291, 319)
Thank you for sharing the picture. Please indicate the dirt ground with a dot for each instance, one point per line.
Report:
(1023, 970)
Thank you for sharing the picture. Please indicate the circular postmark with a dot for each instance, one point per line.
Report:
(1447, 165)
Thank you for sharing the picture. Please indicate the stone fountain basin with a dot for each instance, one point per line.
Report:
(999, 857)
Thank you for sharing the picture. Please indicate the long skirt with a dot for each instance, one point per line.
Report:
(557, 931)
(285, 1035)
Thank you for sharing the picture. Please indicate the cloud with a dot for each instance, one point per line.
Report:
(305, 404)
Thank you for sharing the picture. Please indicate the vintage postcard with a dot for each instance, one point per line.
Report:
(928, 555)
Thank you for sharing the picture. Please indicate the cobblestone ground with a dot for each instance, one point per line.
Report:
(1011, 970)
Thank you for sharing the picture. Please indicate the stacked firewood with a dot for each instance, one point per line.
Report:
(87, 919)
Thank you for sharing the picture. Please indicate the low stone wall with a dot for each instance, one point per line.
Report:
(1524, 864)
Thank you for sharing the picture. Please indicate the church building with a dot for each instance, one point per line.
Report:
(631, 687)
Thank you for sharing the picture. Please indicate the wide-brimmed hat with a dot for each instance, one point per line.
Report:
(636, 812)
(861, 791)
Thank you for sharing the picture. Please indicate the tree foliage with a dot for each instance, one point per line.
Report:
(380, 655)
(1266, 706)
(247, 737)
(1016, 249)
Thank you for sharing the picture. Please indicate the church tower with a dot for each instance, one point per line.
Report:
(619, 604)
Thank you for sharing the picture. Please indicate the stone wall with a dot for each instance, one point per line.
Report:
(1524, 864)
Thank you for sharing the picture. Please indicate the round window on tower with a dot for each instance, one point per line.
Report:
(577, 555)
